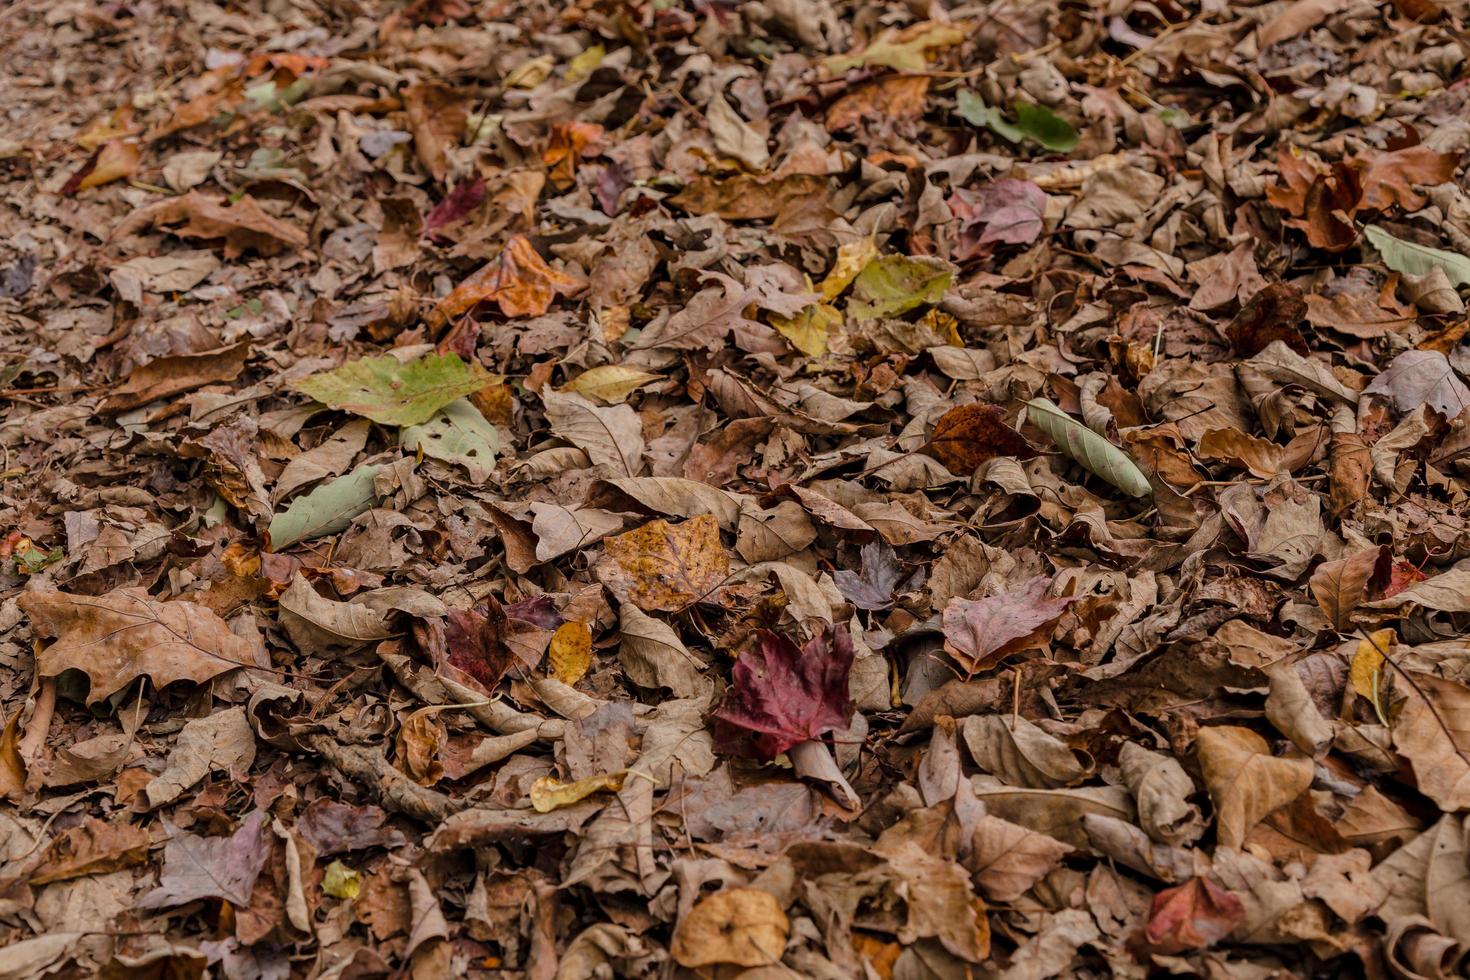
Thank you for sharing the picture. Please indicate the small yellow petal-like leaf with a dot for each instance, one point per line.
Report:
(1367, 668)
(340, 881)
(549, 793)
(610, 383)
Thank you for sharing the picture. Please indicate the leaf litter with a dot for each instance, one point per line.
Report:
(712, 489)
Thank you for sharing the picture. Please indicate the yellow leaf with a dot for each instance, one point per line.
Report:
(571, 651)
(549, 793)
(851, 259)
(1367, 668)
(610, 383)
(945, 327)
(808, 330)
(340, 881)
(665, 566)
(529, 74)
(585, 63)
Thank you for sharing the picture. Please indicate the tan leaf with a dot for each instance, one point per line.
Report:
(176, 374)
(116, 638)
(243, 224)
(90, 848)
(1245, 780)
(743, 926)
(1020, 753)
(1338, 586)
(1261, 457)
(1007, 859)
(1433, 733)
(665, 566)
(610, 384)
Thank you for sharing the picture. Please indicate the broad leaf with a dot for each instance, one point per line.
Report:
(895, 284)
(393, 393)
(458, 434)
(327, 509)
(782, 694)
(1414, 259)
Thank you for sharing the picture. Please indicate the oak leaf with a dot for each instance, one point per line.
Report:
(116, 638)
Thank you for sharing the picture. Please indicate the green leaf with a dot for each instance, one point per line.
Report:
(1417, 260)
(390, 393)
(1045, 127)
(1036, 123)
(326, 510)
(458, 434)
(973, 110)
(895, 284)
(1088, 449)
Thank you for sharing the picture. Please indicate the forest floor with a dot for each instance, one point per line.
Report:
(710, 488)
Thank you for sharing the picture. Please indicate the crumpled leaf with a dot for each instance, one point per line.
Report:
(1194, 915)
(116, 638)
(519, 281)
(1245, 780)
(243, 224)
(391, 392)
(549, 793)
(340, 881)
(782, 695)
(881, 576)
(1003, 212)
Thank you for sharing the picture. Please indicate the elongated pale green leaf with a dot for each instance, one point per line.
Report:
(1045, 127)
(1417, 260)
(974, 111)
(382, 389)
(1090, 450)
(458, 434)
(326, 510)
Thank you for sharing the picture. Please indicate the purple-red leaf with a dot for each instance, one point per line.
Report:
(783, 695)
(980, 633)
(1003, 212)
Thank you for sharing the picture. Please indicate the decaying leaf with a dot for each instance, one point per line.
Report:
(116, 638)
(665, 566)
(743, 926)
(980, 633)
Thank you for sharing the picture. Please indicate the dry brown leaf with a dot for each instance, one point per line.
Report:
(1245, 780)
(663, 566)
(175, 374)
(743, 926)
(116, 638)
(893, 97)
(243, 224)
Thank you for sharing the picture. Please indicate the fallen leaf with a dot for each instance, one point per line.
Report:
(548, 793)
(967, 436)
(1246, 782)
(116, 638)
(665, 566)
(519, 282)
(1194, 915)
(175, 374)
(570, 653)
(742, 926)
(980, 633)
(894, 284)
(391, 392)
(92, 847)
(782, 695)
(747, 198)
(243, 224)
(1422, 377)
(211, 867)
(889, 98)
(610, 384)
(340, 881)
(115, 160)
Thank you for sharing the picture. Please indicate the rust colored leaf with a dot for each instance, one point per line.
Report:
(1270, 315)
(966, 436)
(90, 848)
(243, 225)
(663, 566)
(519, 281)
(116, 638)
(747, 198)
(175, 374)
(893, 97)
(1194, 915)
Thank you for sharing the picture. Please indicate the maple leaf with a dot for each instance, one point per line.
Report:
(782, 695)
(519, 281)
(476, 643)
(1194, 915)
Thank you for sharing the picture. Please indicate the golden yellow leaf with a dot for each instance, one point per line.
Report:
(340, 881)
(665, 566)
(1366, 673)
(808, 330)
(610, 383)
(852, 258)
(549, 793)
(743, 926)
(585, 63)
(571, 651)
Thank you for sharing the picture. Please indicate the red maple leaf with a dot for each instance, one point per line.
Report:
(782, 695)
(476, 642)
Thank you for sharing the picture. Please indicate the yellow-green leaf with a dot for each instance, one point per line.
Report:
(895, 284)
(340, 881)
(610, 383)
(1088, 449)
(392, 393)
(808, 330)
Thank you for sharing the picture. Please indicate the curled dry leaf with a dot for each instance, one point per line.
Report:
(519, 281)
(1194, 915)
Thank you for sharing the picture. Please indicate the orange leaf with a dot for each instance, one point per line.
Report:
(115, 160)
(520, 281)
(1194, 915)
(894, 97)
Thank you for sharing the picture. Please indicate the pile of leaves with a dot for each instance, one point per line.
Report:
(722, 488)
